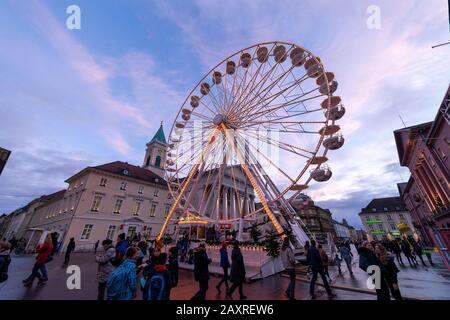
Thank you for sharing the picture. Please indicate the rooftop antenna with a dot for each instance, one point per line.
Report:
(402, 120)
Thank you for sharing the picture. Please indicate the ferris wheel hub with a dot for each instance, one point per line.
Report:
(220, 119)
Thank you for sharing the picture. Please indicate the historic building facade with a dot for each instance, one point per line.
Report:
(101, 202)
(387, 218)
(317, 220)
(425, 150)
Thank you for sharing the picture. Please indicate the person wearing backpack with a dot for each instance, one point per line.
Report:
(105, 267)
(44, 252)
(5, 259)
(159, 282)
(121, 283)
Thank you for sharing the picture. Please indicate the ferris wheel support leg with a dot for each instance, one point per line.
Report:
(254, 184)
(186, 183)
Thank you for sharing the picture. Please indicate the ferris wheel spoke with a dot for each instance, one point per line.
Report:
(264, 80)
(254, 184)
(262, 103)
(183, 188)
(270, 161)
(235, 107)
(261, 111)
(257, 93)
(281, 144)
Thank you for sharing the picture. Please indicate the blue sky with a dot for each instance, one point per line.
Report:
(72, 98)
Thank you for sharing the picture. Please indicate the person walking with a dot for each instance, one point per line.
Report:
(39, 271)
(397, 251)
(368, 258)
(308, 270)
(158, 281)
(337, 263)
(389, 270)
(225, 265)
(121, 284)
(287, 255)
(13, 244)
(406, 248)
(237, 271)
(325, 261)
(315, 262)
(105, 267)
(70, 248)
(418, 250)
(201, 271)
(173, 266)
(347, 256)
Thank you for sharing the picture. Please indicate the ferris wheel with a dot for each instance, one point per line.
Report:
(258, 126)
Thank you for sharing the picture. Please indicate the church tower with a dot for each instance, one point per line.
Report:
(155, 154)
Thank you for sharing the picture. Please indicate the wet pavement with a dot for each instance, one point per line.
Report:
(417, 283)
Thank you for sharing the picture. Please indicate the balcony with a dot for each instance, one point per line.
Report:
(441, 212)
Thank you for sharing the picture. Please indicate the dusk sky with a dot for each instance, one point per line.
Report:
(73, 98)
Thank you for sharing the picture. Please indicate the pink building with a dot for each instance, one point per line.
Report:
(424, 149)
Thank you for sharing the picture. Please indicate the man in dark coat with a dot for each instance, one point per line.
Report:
(368, 258)
(315, 263)
(237, 276)
(201, 271)
(69, 250)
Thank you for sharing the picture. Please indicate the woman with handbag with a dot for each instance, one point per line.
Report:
(39, 271)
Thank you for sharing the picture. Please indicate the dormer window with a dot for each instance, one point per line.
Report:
(125, 172)
(374, 209)
(385, 209)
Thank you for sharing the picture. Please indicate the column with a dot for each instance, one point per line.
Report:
(443, 193)
(424, 188)
(225, 202)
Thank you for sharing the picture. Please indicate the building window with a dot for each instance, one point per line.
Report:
(137, 208)
(389, 217)
(86, 231)
(374, 209)
(111, 231)
(392, 226)
(131, 232)
(401, 216)
(153, 210)
(166, 210)
(103, 182)
(158, 161)
(96, 203)
(385, 209)
(118, 206)
(155, 194)
(147, 163)
(141, 189)
(123, 185)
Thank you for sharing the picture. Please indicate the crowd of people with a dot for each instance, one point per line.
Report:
(130, 265)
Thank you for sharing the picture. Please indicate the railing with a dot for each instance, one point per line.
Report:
(441, 212)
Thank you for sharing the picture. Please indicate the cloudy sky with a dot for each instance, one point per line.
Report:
(72, 98)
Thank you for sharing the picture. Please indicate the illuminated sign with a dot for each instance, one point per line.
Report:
(374, 221)
(377, 232)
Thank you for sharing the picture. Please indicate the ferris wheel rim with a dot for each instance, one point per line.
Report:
(327, 122)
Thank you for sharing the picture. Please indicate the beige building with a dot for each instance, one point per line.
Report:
(106, 200)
